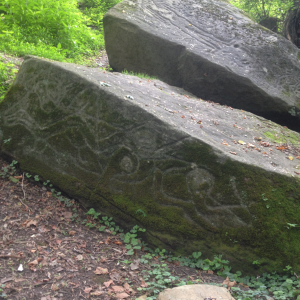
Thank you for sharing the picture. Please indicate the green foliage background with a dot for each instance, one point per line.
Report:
(55, 29)
(63, 30)
(261, 9)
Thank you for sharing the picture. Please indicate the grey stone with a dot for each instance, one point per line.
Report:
(211, 49)
(196, 292)
(197, 175)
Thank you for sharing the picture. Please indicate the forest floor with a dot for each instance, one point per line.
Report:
(46, 253)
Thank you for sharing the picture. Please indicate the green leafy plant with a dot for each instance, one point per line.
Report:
(7, 141)
(106, 221)
(48, 28)
(9, 170)
(141, 212)
(158, 279)
(95, 10)
(93, 213)
(1, 290)
(290, 225)
(130, 238)
(7, 75)
(140, 75)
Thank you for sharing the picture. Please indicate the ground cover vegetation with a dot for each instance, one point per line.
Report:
(52, 246)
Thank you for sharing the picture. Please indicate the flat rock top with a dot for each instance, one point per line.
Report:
(232, 133)
(195, 292)
(221, 33)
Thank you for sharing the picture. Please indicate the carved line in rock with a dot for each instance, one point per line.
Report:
(210, 45)
(194, 180)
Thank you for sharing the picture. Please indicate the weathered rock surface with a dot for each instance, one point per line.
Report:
(211, 49)
(198, 176)
(195, 292)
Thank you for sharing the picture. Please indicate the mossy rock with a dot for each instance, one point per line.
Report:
(207, 177)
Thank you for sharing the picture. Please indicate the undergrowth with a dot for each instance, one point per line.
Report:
(7, 75)
(94, 10)
(140, 75)
(48, 28)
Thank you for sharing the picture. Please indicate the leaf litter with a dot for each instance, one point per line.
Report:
(46, 255)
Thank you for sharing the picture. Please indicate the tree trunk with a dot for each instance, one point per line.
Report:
(291, 27)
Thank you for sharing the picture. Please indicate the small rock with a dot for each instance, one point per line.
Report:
(195, 292)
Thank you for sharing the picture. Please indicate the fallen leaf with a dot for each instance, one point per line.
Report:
(290, 157)
(35, 262)
(234, 153)
(265, 144)
(87, 290)
(108, 283)
(114, 275)
(32, 222)
(55, 228)
(298, 157)
(100, 271)
(72, 232)
(241, 142)
(83, 245)
(76, 285)
(103, 259)
(44, 262)
(182, 117)
(122, 296)
(144, 284)
(54, 287)
(79, 257)
(48, 194)
(97, 293)
(117, 289)
(210, 272)
(67, 214)
(60, 254)
(42, 228)
(229, 283)
(281, 148)
(127, 288)
(118, 243)
(135, 264)
(58, 242)
(107, 241)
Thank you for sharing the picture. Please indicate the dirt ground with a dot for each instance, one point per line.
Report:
(46, 253)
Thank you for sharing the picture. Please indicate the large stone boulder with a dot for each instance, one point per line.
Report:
(198, 176)
(211, 49)
(195, 292)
